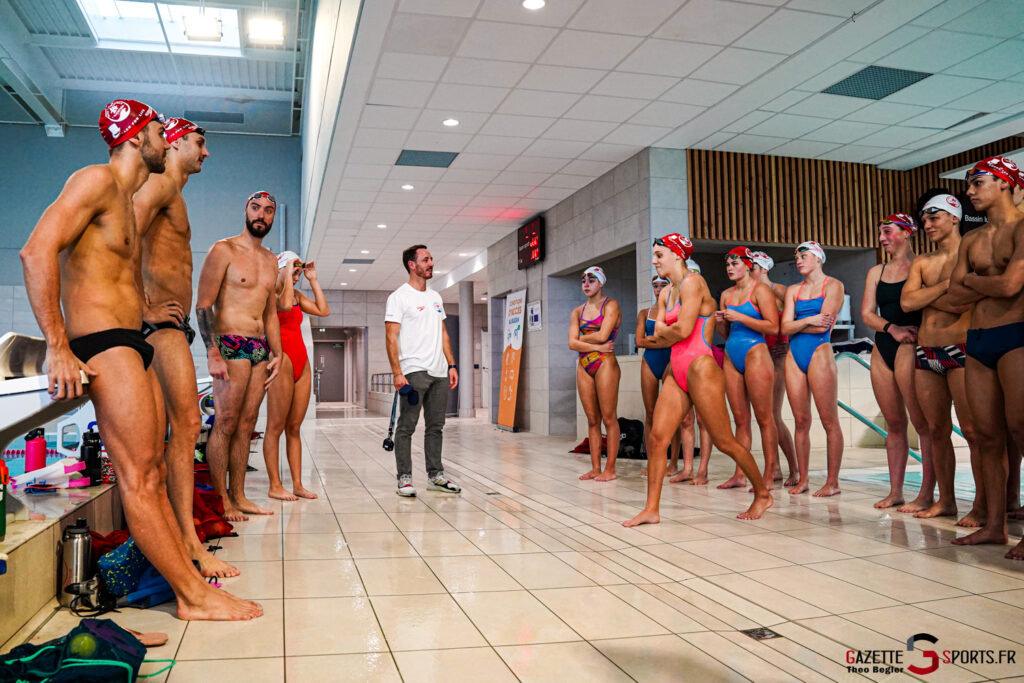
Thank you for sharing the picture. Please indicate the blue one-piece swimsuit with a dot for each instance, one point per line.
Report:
(657, 359)
(742, 338)
(802, 345)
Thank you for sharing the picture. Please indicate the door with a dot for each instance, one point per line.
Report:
(451, 323)
(329, 362)
(485, 369)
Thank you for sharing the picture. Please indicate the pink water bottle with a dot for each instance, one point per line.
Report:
(35, 450)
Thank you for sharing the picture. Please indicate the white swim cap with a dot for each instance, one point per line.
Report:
(286, 257)
(692, 266)
(762, 259)
(598, 272)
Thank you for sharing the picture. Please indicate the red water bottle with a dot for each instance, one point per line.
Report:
(35, 450)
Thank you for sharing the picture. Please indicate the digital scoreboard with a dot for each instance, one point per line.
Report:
(531, 243)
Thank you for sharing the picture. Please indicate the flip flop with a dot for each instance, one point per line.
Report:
(153, 639)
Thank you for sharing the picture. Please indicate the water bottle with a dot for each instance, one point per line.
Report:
(76, 554)
(35, 450)
(90, 455)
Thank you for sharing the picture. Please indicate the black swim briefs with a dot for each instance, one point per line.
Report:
(87, 346)
(150, 328)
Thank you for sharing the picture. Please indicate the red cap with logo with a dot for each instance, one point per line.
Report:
(177, 127)
(901, 219)
(1000, 167)
(679, 245)
(742, 253)
(123, 119)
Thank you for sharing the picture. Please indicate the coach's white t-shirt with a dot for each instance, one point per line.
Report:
(420, 339)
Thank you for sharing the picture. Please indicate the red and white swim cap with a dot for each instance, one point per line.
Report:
(742, 253)
(679, 245)
(1001, 167)
(123, 119)
(814, 248)
(178, 127)
(903, 220)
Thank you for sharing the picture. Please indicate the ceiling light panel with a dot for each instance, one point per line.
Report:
(875, 82)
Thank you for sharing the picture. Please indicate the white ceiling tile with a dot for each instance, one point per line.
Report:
(746, 122)
(469, 122)
(458, 98)
(369, 155)
(937, 118)
(396, 93)
(485, 162)
(591, 168)
(640, 86)
(785, 100)
(588, 50)
(993, 98)
(452, 8)
(507, 124)
(831, 76)
(668, 57)
(632, 134)
(483, 72)
(467, 187)
(750, 144)
(493, 144)
(436, 141)
(561, 149)
(503, 190)
(377, 116)
(615, 16)
(535, 204)
(895, 136)
(508, 42)
(379, 137)
(365, 171)
(843, 132)
(710, 142)
(1000, 62)
(568, 182)
(840, 8)
(937, 90)
(521, 178)
(552, 193)
(886, 112)
(554, 14)
(946, 12)
(424, 35)
(787, 126)
(937, 50)
(903, 35)
(712, 21)
(668, 114)
(410, 67)
(561, 78)
(459, 175)
(601, 108)
(538, 164)
(481, 200)
(733, 65)
(537, 103)
(788, 31)
(602, 151)
(805, 149)
(702, 93)
(828, 106)
(1002, 18)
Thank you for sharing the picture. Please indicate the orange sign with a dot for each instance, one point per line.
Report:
(515, 327)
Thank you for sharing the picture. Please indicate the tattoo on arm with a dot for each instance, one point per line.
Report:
(204, 319)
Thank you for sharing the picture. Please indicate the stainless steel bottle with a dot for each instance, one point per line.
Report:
(76, 553)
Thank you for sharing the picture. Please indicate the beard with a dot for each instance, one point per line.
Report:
(425, 273)
(257, 228)
(155, 160)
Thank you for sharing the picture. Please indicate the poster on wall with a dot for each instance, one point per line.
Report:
(533, 323)
(515, 313)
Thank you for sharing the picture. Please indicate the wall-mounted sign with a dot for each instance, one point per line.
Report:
(533, 316)
(531, 243)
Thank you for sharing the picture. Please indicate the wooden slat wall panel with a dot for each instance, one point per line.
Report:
(785, 200)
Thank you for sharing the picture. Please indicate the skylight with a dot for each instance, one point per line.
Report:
(159, 27)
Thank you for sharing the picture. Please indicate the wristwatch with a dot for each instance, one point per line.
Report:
(453, 367)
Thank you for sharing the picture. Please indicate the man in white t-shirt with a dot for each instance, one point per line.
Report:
(421, 359)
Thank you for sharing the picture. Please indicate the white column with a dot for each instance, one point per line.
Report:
(465, 359)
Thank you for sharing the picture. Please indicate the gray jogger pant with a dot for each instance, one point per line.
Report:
(433, 393)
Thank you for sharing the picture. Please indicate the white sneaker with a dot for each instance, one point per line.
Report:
(405, 487)
(439, 482)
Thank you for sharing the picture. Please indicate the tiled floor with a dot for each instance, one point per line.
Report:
(528, 575)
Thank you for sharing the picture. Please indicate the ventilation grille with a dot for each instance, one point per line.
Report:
(875, 82)
(364, 261)
(215, 116)
(415, 157)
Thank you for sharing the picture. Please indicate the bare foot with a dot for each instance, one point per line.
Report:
(940, 509)
(699, 480)
(210, 566)
(983, 535)
(1017, 553)
(892, 500)
(682, 476)
(799, 488)
(757, 508)
(303, 492)
(590, 475)
(736, 482)
(827, 490)
(671, 472)
(791, 480)
(778, 477)
(606, 476)
(917, 505)
(246, 506)
(973, 520)
(233, 514)
(281, 494)
(769, 483)
(1016, 513)
(645, 517)
(217, 605)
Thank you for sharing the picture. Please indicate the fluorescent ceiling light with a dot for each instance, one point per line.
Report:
(266, 30)
(364, 251)
(382, 225)
(202, 27)
(343, 284)
(533, 4)
(351, 270)
(407, 186)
